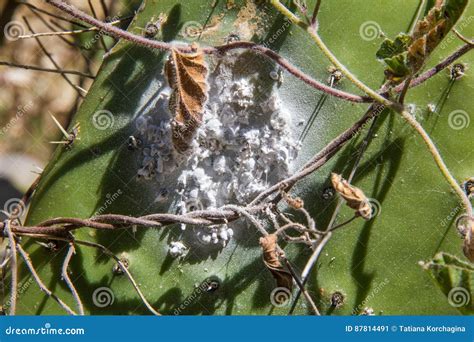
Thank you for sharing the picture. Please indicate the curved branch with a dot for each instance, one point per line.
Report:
(61, 226)
(71, 250)
(40, 283)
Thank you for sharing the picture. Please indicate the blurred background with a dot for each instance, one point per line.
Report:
(29, 97)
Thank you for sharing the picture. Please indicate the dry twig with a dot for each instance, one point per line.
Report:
(64, 273)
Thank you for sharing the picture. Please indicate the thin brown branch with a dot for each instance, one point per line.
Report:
(301, 287)
(115, 31)
(106, 251)
(40, 283)
(65, 275)
(296, 226)
(437, 68)
(37, 68)
(306, 231)
(20, 230)
(61, 226)
(250, 217)
(285, 64)
(309, 220)
(340, 225)
(69, 32)
(311, 262)
(464, 39)
(403, 93)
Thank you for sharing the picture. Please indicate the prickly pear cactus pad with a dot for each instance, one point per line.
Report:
(259, 158)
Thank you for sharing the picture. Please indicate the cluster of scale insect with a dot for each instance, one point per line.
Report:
(243, 146)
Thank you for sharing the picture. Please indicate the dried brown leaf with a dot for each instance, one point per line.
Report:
(186, 74)
(422, 47)
(272, 261)
(424, 25)
(431, 30)
(354, 197)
